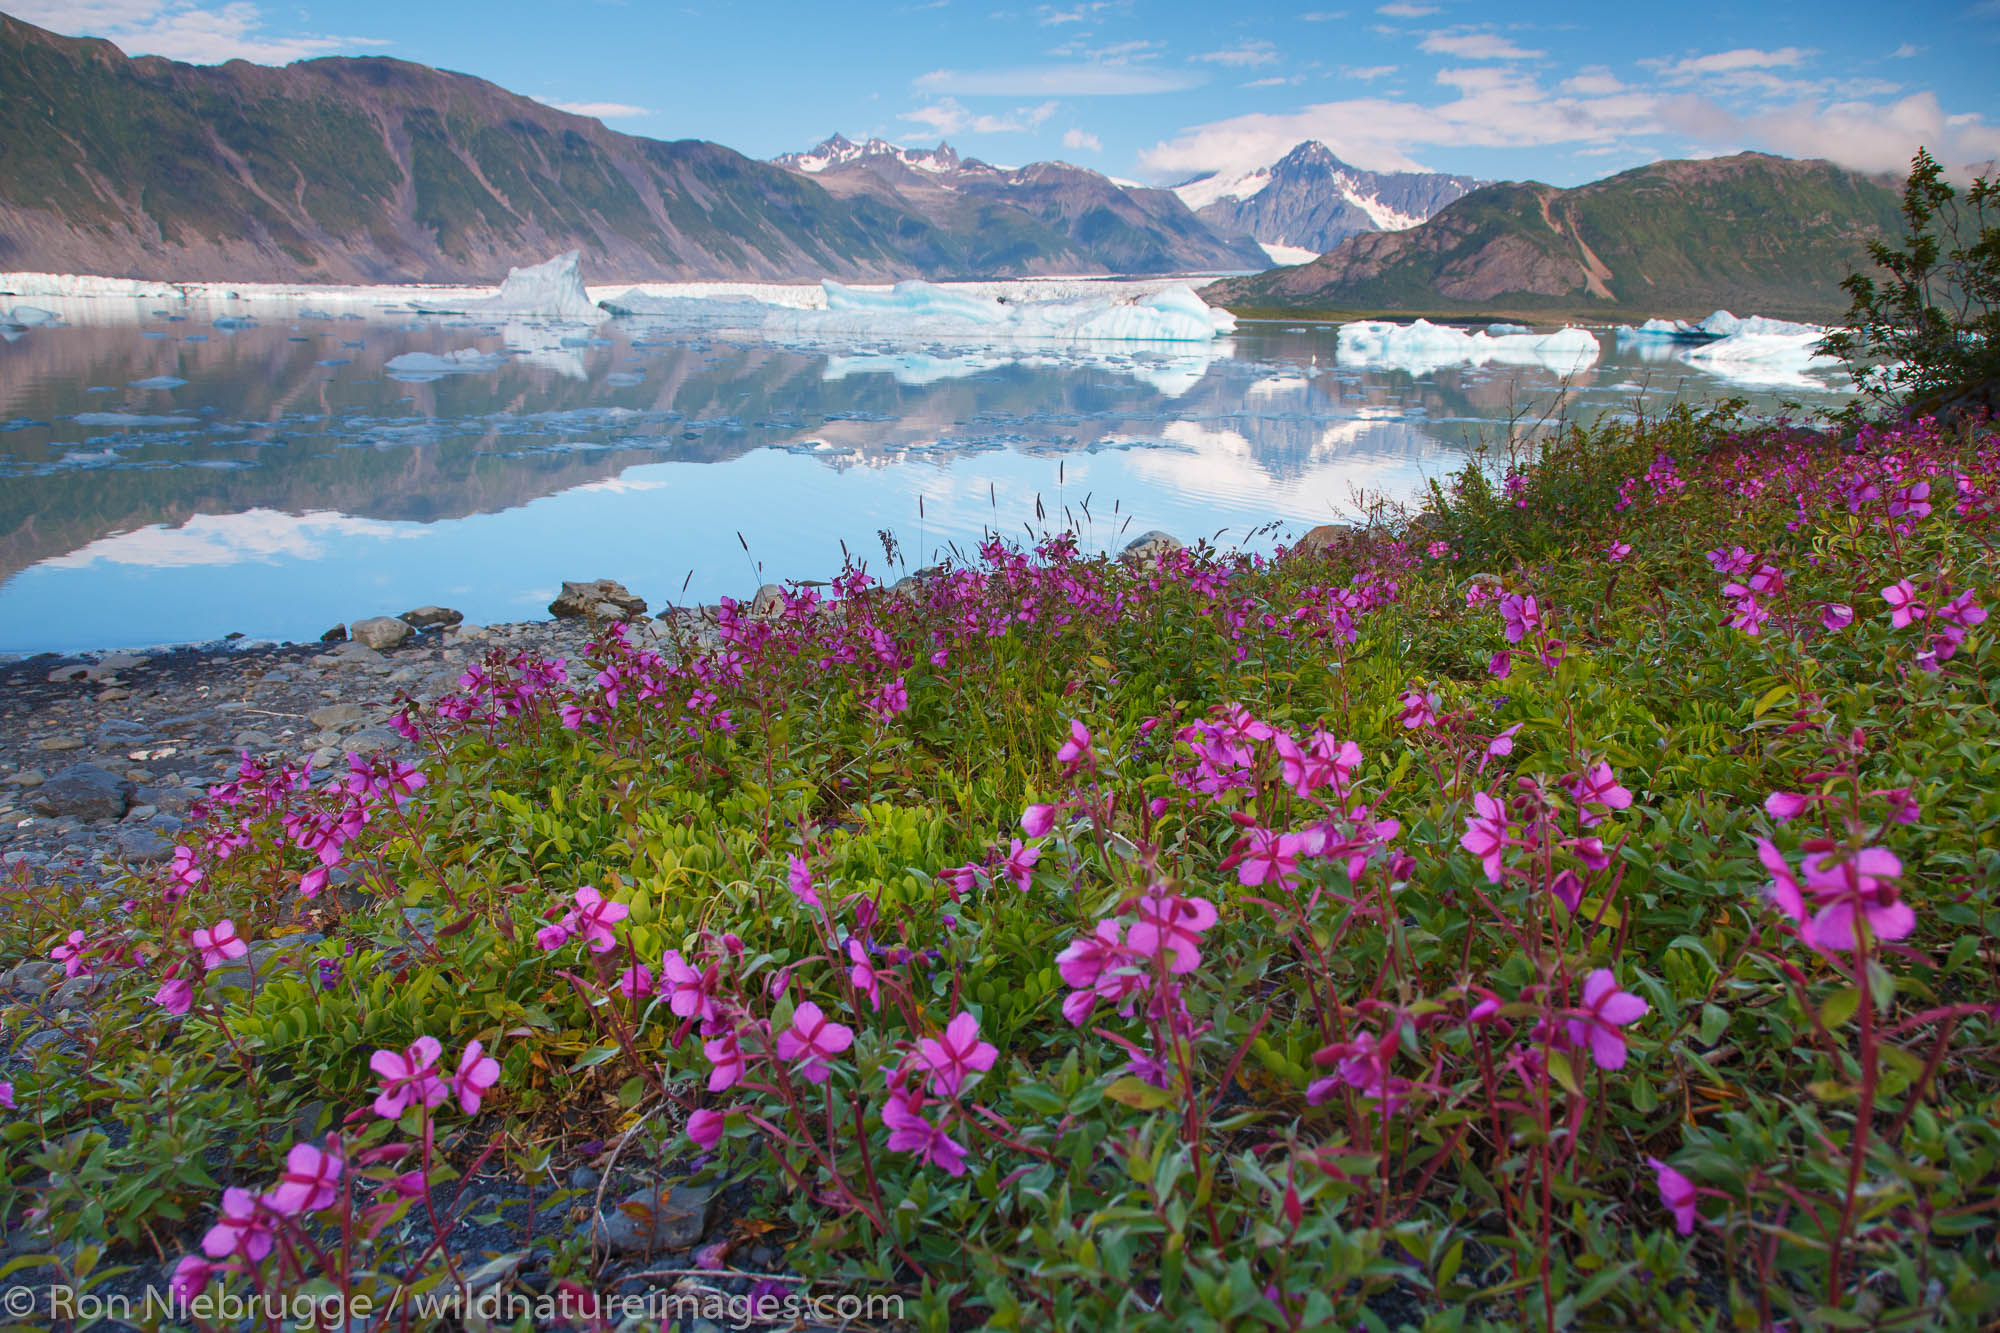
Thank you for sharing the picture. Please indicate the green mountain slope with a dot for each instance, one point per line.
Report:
(1679, 239)
(375, 170)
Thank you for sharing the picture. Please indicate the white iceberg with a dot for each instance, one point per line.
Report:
(1765, 353)
(131, 419)
(423, 367)
(27, 317)
(917, 311)
(1670, 330)
(1423, 347)
(158, 382)
(552, 290)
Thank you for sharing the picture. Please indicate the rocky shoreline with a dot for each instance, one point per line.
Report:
(102, 755)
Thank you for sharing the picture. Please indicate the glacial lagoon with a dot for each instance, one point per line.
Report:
(176, 473)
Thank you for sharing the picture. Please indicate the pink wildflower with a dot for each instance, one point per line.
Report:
(71, 953)
(955, 1054)
(799, 878)
(1038, 821)
(175, 995)
(476, 1072)
(1677, 1192)
(218, 943)
(190, 1278)
(1020, 863)
(705, 1127)
(910, 1132)
(815, 1037)
(1076, 750)
(407, 1077)
(1486, 833)
(244, 1228)
(1605, 1010)
(595, 917)
(310, 1181)
(1855, 885)
(1904, 608)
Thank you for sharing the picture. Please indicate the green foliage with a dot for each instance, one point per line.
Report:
(1931, 326)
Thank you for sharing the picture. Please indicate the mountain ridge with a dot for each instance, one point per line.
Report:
(373, 170)
(1676, 239)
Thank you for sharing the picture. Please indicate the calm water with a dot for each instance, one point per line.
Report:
(289, 484)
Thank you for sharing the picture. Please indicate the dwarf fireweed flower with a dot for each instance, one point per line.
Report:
(1271, 858)
(956, 1054)
(1521, 616)
(476, 1072)
(219, 943)
(1904, 608)
(815, 1037)
(1020, 863)
(1419, 709)
(7, 1096)
(244, 1228)
(1171, 927)
(1597, 792)
(798, 877)
(1076, 750)
(1854, 885)
(1038, 820)
(910, 1132)
(595, 916)
(1733, 561)
(690, 994)
(190, 1278)
(635, 982)
(705, 1127)
(1605, 1010)
(175, 995)
(1617, 551)
(310, 1181)
(1837, 616)
(1486, 834)
(407, 1078)
(725, 1058)
(71, 953)
(1677, 1192)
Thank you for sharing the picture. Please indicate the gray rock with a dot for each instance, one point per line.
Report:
(83, 790)
(254, 739)
(1324, 538)
(1150, 545)
(768, 603)
(144, 847)
(27, 777)
(370, 740)
(76, 990)
(379, 632)
(655, 1219)
(139, 814)
(337, 715)
(606, 599)
(114, 694)
(338, 634)
(172, 800)
(118, 731)
(31, 978)
(57, 743)
(428, 617)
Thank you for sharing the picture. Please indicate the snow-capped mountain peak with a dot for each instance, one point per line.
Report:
(839, 151)
(1311, 200)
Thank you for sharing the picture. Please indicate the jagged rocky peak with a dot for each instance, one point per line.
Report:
(1310, 199)
(838, 150)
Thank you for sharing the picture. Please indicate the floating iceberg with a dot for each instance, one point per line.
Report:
(1669, 330)
(1768, 353)
(553, 290)
(131, 419)
(27, 317)
(1423, 346)
(423, 367)
(159, 382)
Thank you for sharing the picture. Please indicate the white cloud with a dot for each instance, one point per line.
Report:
(1275, 81)
(1728, 62)
(1400, 9)
(258, 536)
(1596, 81)
(948, 117)
(601, 110)
(1074, 138)
(1242, 54)
(1873, 137)
(1093, 80)
(1905, 52)
(1323, 16)
(1366, 73)
(184, 30)
(1476, 46)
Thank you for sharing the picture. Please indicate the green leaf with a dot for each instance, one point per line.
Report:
(1838, 1007)
(1135, 1092)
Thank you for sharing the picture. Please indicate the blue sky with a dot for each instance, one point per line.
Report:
(1160, 92)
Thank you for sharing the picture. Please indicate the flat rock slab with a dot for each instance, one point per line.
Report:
(83, 790)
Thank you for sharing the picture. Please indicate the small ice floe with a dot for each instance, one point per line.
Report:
(423, 367)
(158, 382)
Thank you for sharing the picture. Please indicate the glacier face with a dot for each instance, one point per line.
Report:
(1422, 347)
(549, 290)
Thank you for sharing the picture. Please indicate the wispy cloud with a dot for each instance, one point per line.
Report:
(948, 117)
(1089, 80)
(1366, 73)
(1476, 46)
(1595, 81)
(1323, 16)
(1242, 55)
(1399, 9)
(601, 110)
(1082, 139)
(1728, 62)
(1905, 52)
(203, 34)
